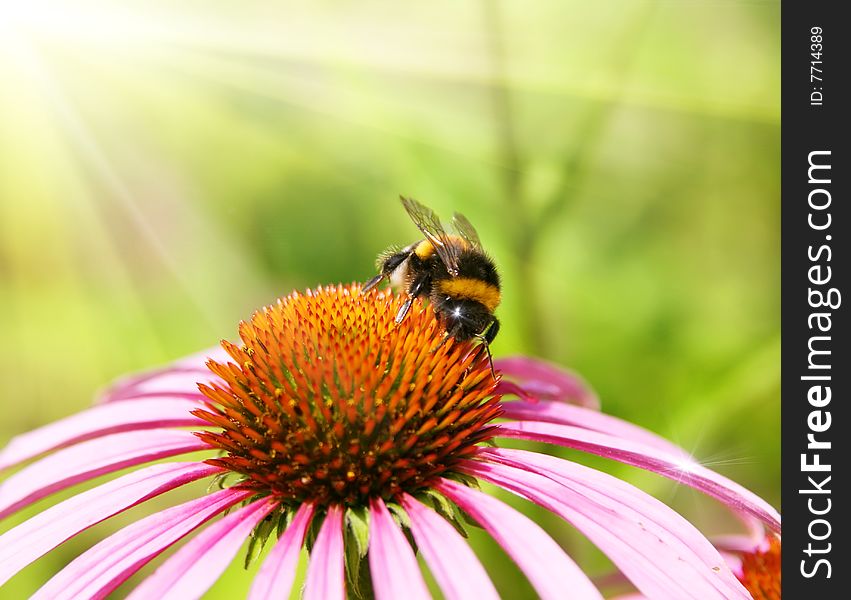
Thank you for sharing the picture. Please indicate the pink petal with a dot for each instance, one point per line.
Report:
(548, 568)
(105, 566)
(737, 543)
(566, 414)
(90, 459)
(196, 566)
(43, 532)
(326, 569)
(652, 459)
(656, 548)
(276, 576)
(95, 422)
(453, 564)
(173, 382)
(545, 380)
(180, 377)
(392, 564)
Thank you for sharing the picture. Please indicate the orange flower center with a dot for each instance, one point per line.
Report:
(761, 571)
(329, 400)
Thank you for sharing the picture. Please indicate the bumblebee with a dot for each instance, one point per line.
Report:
(451, 270)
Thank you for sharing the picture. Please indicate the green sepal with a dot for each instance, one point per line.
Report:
(218, 482)
(313, 531)
(399, 514)
(444, 507)
(225, 480)
(402, 520)
(358, 575)
(357, 524)
(468, 519)
(463, 479)
(258, 538)
(356, 546)
(284, 520)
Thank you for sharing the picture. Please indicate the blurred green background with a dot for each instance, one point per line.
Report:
(166, 168)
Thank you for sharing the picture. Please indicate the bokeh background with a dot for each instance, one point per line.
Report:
(166, 168)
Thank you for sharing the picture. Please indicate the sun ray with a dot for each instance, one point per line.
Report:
(85, 145)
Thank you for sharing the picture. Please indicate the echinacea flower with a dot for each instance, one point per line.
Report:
(354, 436)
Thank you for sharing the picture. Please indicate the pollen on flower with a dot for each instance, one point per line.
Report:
(761, 571)
(328, 400)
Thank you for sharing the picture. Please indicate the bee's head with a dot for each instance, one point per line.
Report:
(463, 319)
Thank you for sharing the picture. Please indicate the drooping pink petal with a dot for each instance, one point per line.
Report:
(326, 569)
(276, 576)
(453, 564)
(176, 379)
(43, 532)
(656, 548)
(546, 381)
(559, 413)
(196, 566)
(392, 564)
(98, 571)
(173, 383)
(90, 459)
(98, 421)
(739, 543)
(652, 459)
(548, 568)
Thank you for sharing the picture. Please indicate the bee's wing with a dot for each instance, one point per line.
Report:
(466, 230)
(428, 222)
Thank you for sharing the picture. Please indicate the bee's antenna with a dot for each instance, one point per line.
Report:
(372, 282)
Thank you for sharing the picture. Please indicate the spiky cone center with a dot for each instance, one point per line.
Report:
(761, 571)
(328, 400)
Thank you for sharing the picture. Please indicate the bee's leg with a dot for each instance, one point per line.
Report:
(403, 310)
(492, 331)
(486, 338)
(417, 287)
